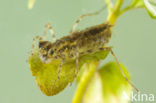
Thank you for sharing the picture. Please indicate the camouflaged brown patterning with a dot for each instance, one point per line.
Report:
(81, 42)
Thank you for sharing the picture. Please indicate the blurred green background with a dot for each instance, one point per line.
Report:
(134, 40)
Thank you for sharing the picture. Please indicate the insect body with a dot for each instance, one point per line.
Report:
(76, 44)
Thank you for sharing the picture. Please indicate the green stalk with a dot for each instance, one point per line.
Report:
(115, 12)
(84, 81)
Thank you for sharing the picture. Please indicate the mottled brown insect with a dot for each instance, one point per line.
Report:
(76, 44)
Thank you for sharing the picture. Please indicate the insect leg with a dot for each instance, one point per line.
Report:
(48, 26)
(77, 64)
(59, 71)
(33, 42)
(84, 15)
(117, 62)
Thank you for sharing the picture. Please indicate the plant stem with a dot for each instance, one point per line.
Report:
(109, 5)
(118, 5)
(85, 79)
(113, 15)
(130, 8)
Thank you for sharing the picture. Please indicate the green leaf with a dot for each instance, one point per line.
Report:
(107, 85)
(46, 74)
(151, 7)
(113, 80)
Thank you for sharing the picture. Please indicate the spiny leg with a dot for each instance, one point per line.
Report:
(33, 42)
(110, 50)
(84, 15)
(77, 64)
(48, 26)
(59, 71)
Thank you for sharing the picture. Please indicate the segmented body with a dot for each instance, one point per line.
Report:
(79, 42)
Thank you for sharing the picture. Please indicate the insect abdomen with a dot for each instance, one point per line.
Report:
(94, 37)
(82, 42)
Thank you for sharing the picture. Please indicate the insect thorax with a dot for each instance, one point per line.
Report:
(81, 42)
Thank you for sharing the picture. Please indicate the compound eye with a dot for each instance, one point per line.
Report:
(41, 44)
(51, 52)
